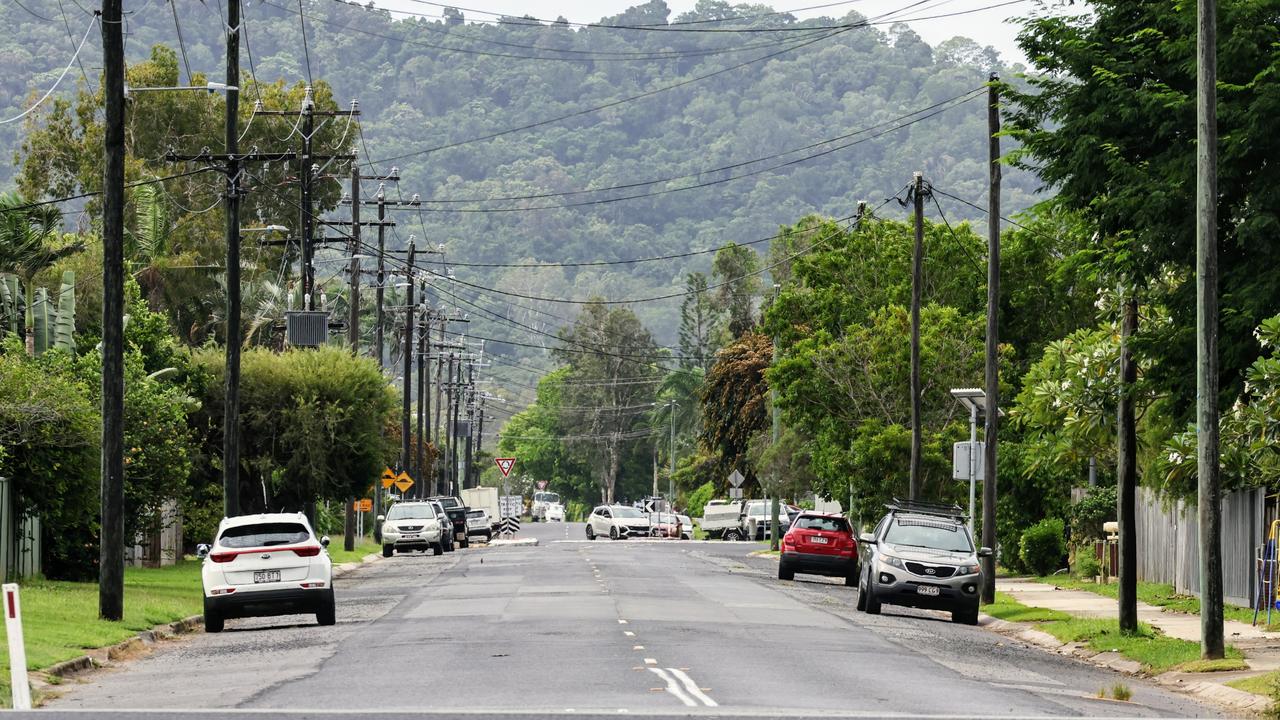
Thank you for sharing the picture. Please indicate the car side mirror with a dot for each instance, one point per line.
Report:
(985, 552)
(382, 518)
(867, 538)
(324, 541)
(202, 551)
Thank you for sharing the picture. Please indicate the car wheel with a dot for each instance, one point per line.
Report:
(613, 533)
(466, 542)
(213, 620)
(437, 549)
(591, 533)
(785, 572)
(732, 534)
(862, 597)
(327, 613)
(872, 604)
(851, 580)
(965, 616)
(388, 550)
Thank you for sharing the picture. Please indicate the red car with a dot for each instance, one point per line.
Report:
(819, 544)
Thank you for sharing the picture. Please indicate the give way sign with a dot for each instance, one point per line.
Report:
(505, 465)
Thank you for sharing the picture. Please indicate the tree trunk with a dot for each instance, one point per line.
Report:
(1127, 472)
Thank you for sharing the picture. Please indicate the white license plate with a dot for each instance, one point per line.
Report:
(818, 540)
(410, 536)
(929, 590)
(261, 576)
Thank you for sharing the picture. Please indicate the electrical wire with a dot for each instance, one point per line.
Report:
(57, 82)
(62, 10)
(968, 253)
(182, 46)
(91, 193)
(302, 21)
(244, 32)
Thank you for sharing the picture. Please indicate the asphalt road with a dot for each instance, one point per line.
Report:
(602, 628)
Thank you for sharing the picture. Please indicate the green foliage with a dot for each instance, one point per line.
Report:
(735, 271)
(1086, 565)
(1095, 508)
(701, 324)
(734, 402)
(1043, 546)
(696, 503)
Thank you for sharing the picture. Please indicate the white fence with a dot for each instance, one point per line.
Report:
(1168, 543)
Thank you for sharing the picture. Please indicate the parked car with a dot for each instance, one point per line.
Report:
(686, 527)
(616, 522)
(263, 565)
(922, 555)
(722, 519)
(484, 498)
(457, 513)
(757, 519)
(665, 525)
(819, 544)
(538, 508)
(446, 537)
(554, 512)
(478, 523)
(413, 526)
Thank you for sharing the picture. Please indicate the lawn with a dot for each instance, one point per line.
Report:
(364, 546)
(1266, 684)
(1006, 608)
(1158, 594)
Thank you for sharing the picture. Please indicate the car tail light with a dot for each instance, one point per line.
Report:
(310, 585)
(222, 557)
(222, 591)
(307, 551)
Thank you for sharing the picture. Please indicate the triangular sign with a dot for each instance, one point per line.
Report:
(505, 465)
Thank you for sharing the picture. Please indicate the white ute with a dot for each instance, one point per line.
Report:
(262, 565)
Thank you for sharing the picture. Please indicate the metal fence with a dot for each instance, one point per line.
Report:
(20, 549)
(1168, 543)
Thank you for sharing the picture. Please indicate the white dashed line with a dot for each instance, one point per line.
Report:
(650, 661)
(692, 687)
(628, 633)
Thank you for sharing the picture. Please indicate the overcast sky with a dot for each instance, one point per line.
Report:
(988, 27)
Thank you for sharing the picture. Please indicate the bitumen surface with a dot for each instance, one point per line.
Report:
(574, 627)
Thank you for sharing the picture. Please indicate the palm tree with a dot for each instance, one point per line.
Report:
(27, 234)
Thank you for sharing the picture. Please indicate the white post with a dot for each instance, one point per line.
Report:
(973, 460)
(17, 649)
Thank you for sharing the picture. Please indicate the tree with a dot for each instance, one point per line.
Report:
(29, 243)
(735, 402)
(700, 324)
(735, 270)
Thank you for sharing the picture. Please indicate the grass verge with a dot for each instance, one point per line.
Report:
(1006, 608)
(1159, 594)
(1266, 684)
(364, 546)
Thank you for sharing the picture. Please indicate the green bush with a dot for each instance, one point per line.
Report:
(1095, 508)
(698, 500)
(575, 511)
(1087, 566)
(1043, 546)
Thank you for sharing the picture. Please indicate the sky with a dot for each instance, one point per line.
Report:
(988, 27)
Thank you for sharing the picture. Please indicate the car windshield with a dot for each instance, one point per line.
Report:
(548, 497)
(626, 512)
(449, 502)
(411, 512)
(932, 534)
(476, 514)
(264, 535)
(829, 524)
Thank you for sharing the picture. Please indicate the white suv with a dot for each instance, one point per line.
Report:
(412, 526)
(262, 565)
(617, 521)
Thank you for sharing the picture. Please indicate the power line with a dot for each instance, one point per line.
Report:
(306, 52)
(91, 193)
(182, 46)
(57, 82)
(955, 237)
(72, 39)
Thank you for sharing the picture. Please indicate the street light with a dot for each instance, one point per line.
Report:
(975, 401)
(211, 87)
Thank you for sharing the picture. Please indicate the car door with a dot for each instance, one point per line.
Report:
(606, 521)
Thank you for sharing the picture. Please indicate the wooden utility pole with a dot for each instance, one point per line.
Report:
(424, 406)
(456, 398)
(991, 431)
(231, 374)
(1127, 469)
(379, 294)
(917, 280)
(111, 539)
(1210, 483)
(442, 480)
(467, 457)
(306, 174)
(407, 357)
(353, 288)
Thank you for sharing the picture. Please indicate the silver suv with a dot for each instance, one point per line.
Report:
(921, 555)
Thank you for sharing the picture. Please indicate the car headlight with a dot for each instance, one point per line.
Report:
(967, 570)
(390, 530)
(893, 561)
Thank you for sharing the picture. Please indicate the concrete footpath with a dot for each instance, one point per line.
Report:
(1261, 649)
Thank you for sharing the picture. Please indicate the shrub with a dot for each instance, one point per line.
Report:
(1043, 546)
(1095, 508)
(1087, 565)
(697, 502)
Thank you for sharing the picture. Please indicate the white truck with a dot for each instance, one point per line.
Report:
(483, 498)
(541, 501)
(722, 518)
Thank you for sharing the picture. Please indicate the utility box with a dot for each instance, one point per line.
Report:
(306, 328)
(960, 460)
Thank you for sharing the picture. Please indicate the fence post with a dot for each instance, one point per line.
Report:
(17, 649)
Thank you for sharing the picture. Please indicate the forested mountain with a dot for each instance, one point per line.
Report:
(433, 90)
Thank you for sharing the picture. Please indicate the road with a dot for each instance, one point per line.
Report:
(596, 628)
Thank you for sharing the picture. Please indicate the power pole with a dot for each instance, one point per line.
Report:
(407, 353)
(424, 344)
(917, 281)
(471, 416)
(992, 430)
(1210, 483)
(111, 540)
(456, 398)
(1127, 470)
(353, 291)
(231, 404)
(449, 469)
(379, 294)
(775, 509)
(671, 452)
(479, 434)
(441, 477)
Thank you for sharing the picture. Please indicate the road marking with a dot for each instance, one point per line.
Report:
(650, 661)
(673, 687)
(638, 647)
(692, 687)
(621, 621)
(628, 633)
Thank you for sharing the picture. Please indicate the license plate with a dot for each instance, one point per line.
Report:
(929, 590)
(818, 540)
(263, 576)
(410, 536)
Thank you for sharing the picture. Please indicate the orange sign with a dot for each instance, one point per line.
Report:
(365, 505)
(403, 481)
(388, 478)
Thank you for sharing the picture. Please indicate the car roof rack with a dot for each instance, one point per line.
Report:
(922, 507)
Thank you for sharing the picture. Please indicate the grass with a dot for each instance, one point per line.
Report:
(1006, 608)
(60, 619)
(364, 546)
(1159, 594)
(1223, 665)
(1265, 684)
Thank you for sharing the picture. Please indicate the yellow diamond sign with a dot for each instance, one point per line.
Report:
(388, 478)
(403, 481)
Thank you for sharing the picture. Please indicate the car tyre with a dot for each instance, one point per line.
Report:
(591, 533)
(327, 613)
(213, 620)
(466, 542)
(437, 549)
(388, 550)
(872, 603)
(785, 572)
(851, 580)
(613, 533)
(965, 616)
(862, 598)
(732, 534)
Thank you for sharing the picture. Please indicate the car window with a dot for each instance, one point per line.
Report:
(626, 512)
(450, 502)
(829, 524)
(416, 511)
(927, 533)
(476, 514)
(604, 512)
(264, 535)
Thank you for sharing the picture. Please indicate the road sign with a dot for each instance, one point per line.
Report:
(735, 493)
(404, 482)
(510, 525)
(505, 465)
(511, 506)
(364, 505)
(736, 479)
(388, 478)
